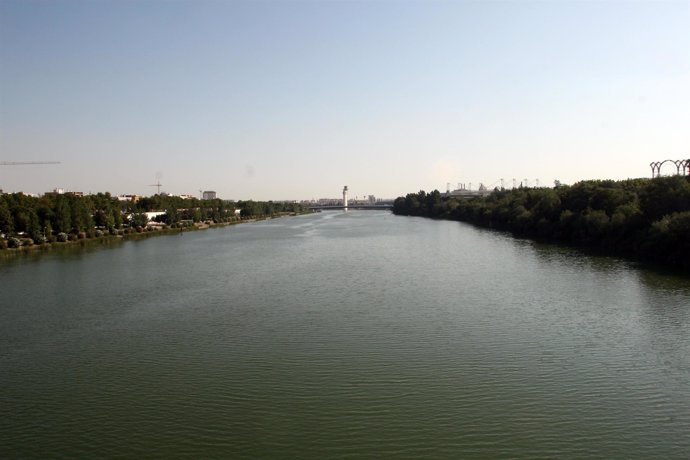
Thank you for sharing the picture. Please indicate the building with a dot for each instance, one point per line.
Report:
(133, 198)
(209, 195)
(151, 215)
(62, 191)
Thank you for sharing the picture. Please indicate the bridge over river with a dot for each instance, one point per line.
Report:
(369, 207)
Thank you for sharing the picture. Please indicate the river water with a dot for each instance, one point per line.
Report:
(342, 335)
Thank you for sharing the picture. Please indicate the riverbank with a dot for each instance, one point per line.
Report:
(28, 221)
(646, 220)
(81, 241)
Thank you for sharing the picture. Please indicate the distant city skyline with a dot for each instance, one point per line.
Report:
(292, 100)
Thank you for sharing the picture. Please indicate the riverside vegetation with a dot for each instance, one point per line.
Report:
(27, 221)
(643, 219)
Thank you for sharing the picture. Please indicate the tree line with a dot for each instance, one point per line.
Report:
(52, 217)
(646, 219)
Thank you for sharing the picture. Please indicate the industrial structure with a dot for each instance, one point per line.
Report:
(682, 167)
(369, 202)
(464, 192)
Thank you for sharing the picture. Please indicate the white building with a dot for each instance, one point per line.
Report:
(134, 198)
(151, 215)
(209, 195)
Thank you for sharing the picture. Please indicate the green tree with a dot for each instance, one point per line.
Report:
(665, 195)
(6, 221)
(34, 229)
(81, 215)
(171, 216)
(116, 217)
(139, 219)
(63, 216)
(548, 205)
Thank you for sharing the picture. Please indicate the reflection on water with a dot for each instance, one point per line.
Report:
(337, 335)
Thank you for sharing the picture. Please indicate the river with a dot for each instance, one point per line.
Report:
(342, 335)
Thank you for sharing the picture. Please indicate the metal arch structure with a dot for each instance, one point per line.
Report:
(682, 167)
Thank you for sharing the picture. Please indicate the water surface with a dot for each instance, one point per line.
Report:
(342, 335)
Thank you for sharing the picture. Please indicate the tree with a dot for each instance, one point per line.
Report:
(548, 205)
(116, 218)
(34, 228)
(171, 216)
(139, 219)
(63, 216)
(664, 195)
(6, 221)
(81, 215)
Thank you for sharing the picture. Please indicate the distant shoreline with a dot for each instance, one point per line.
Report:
(647, 220)
(134, 235)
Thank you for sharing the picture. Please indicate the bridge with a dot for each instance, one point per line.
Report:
(368, 207)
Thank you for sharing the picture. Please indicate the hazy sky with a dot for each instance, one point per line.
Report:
(293, 100)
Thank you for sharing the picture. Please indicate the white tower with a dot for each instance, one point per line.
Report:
(345, 197)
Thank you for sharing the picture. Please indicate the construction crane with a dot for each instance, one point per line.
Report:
(157, 184)
(20, 163)
(17, 163)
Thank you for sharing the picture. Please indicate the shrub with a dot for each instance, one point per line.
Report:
(13, 242)
(62, 237)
